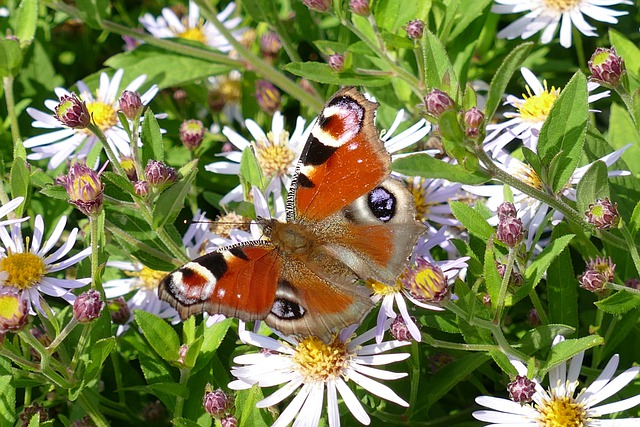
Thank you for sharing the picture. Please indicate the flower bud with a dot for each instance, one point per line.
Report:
(516, 278)
(268, 96)
(318, 5)
(360, 7)
(270, 46)
(84, 188)
(154, 413)
(29, 411)
(603, 214)
(606, 66)
(599, 271)
(14, 311)
(141, 188)
(73, 112)
(191, 133)
(437, 102)
(473, 119)
(216, 402)
(229, 421)
(336, 62)
(533, 318)
(486, 300)
(399, 329)
(129, 167)
(182, 353)
(633, 283)
(507, 209)
(130, 104)
(510, 231)
(522, 389)
(87, 306)
(83, 422)
(159, 173)
(426, 282)
(415, 29)
(119, 310)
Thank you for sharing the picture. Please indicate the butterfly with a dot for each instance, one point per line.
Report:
(347, 221)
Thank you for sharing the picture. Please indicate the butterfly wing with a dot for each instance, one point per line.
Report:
(237, 281)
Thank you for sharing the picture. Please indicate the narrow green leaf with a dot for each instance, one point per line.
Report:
(439, 71)
(168, 388)
(428, 167)
(193, 352)
(260, 11)
(634, 223)
(624, 132)
(171, 201)
(93, 12)
(502, 77)
(152, 144)
(99, 352)
(562, 288)
(27, 18)
(322, 73)
(533, 160)
(251, 172)
(593, 185)
(472, 11)
(8, 393)
(565, 350)
(503, 362)
(628, 50)
(492, 278)
(184, 422)
(563, 132)
(20, 182)
(542, 337)
(619, 303)
(247, 413)
(10, 58)
(162, 338)
(213, 337)
(472, 220)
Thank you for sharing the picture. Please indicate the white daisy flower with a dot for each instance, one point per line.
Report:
(559, 405)
(4, 12)
(532, 111)
(26, 265)
(546, 15)
(193, 27)
(314, 369)
(424, 283)
(432, 197)
(11, 206)
(63, 143)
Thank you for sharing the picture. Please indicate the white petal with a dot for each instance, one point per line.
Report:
(352, 402)
(376, 388)
(293, 408)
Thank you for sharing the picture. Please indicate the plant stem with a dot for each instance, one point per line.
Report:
(537, 304)
(633, 250)
(92, 410)
(504, 285)
(184, 378)
(96, 283)
(115, 162)
(11, 112)
(62, 335)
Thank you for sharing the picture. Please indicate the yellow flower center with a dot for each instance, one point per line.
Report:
(528, 175)
(230, 89)
(428, 283)
(535, 108)
(561, 6)
(24, 269)
(10, 306)
(195, 34)
(231, 221)
(103, 115)
(275, 157)
(422, 205)
(149, 279)
(562, 411)
(318, 361)
(382, 289)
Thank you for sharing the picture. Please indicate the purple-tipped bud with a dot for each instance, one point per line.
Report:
(426, 282)
(182, 353)
(84, 188)
(599, 271)
(437, 102)
(268, 96)
(318, 5)
(533, 318)
(473, 119)
(360, 7)
(119, 310)
(141, 188)
(603, 214)
(415, 29)
(606, 66)
(129, 167)
(522, 389)
(270, 46)
(29, 411)
(83, 422)
(516, 278)
(73, 112)
(216, 402)
(88, 306)
(159, 173)
(14, 312)
(229, 421)
(507, 209)
(510, 231)
(486, 300)
(191, 133)
(633, 283)
(130, 104)
(336, 62)
(154, 413)
(399, 329)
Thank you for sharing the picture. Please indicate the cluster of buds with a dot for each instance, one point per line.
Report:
(268, 96)
(515, 279)
(603, 214)
(521, 389)
(84, 188)
(399, 329)
(599, 271)
(88, 306)
(218, 404)
(510, 228)
(191, 133)
(360, 7)
(437, 102)
(72, 112)
(14, 311)
(415, 29)
(606, 67)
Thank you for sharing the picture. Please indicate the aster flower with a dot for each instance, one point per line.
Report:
(546, 15)
(63, 143)
(25, 266)
(312, 369)
(422, 269)
(432, 197)
(193, 26)
(9, 207)
(532, 111)
(559, 404)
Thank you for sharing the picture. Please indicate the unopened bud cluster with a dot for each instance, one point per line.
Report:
(159, 173)
(599, 272)
(399, 329)
(510, 228)
(73, 112)
(88, 306)
(437, 102)
(603, 214)
(522, 389)
(218, 404)
(191, 133)
(84, 187)
(415, 29)
(606, 66)
(130, 104)
(268, 96)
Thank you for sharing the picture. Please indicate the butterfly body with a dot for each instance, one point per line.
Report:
(347, 222)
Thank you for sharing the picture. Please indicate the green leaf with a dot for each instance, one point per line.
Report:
(428, 167)
(533, 274)
(628, 50)
(565, 350)
(93, 12)
(542, 337)
(439, 71)
(171, 201)
(251, 172)
(246, 412)
(492, 278)
(634, 223)
(99, 352)
(19, 182)
(624, 132)
(502, 77)
(593, 185)
(160, 335)
(193, 352)
(472, 220)
(7, 393)
(183, 422)
(157, 389)
(165, 68)
(152, 144)
(563, 132)
(10, 58)
(619, 303)
(26, 21)
(503, 362)
(119, 181)
(322, 73)
(260, 11)
(533, 160)
(213, 337)
(562, 288)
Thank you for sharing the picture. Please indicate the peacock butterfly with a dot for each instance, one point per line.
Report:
(347, 221)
